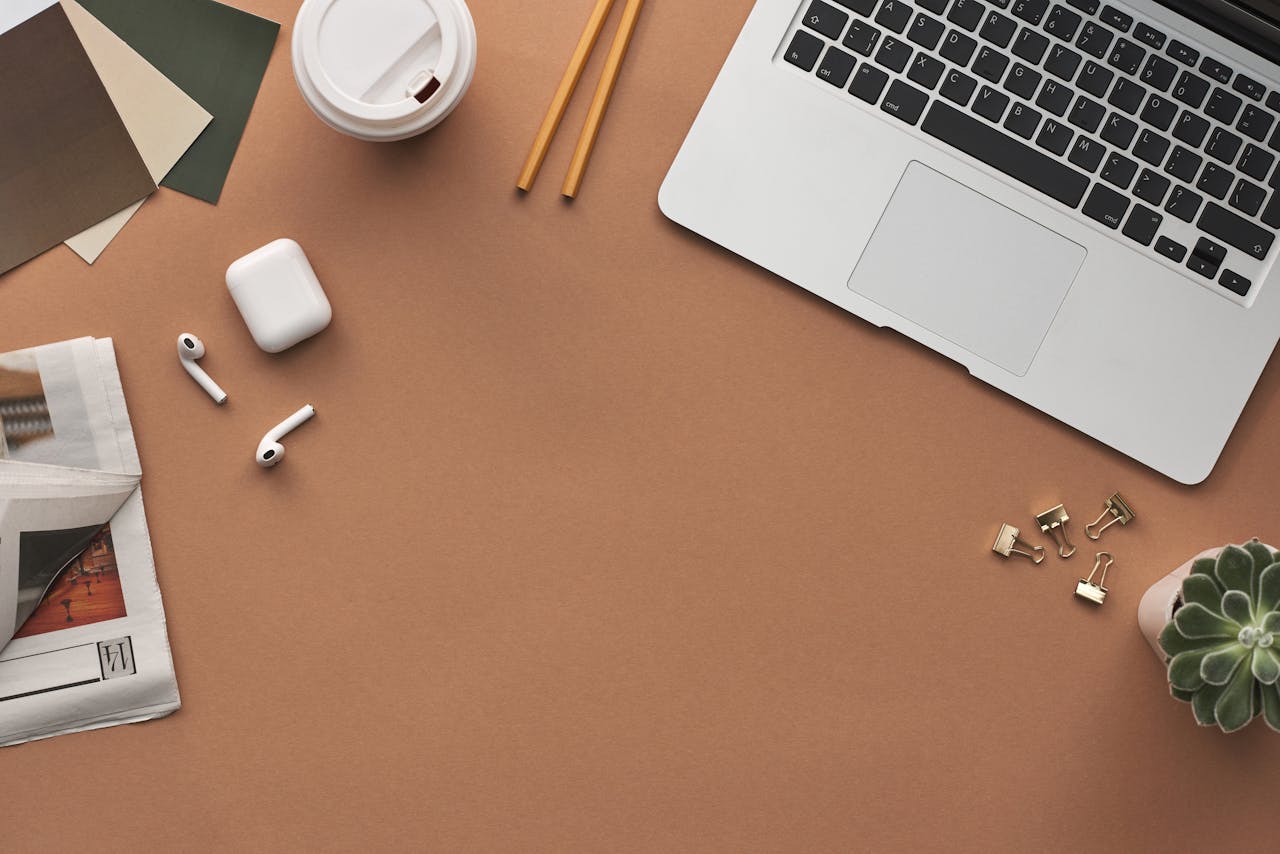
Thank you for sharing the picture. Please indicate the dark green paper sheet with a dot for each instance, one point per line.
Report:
(214, 53)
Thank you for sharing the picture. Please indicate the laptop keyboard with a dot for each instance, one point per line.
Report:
(1143, 134)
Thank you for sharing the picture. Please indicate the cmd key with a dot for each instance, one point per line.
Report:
(904, 101)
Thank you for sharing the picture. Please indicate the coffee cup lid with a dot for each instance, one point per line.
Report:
(382, 67)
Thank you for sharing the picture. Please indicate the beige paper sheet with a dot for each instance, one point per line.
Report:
(159, 116)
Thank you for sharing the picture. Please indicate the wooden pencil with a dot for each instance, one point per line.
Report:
(600, 103)
(569, 82)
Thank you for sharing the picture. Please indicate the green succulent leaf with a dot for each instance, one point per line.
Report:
(1269, 589)
(1235, 708)
(1236, 606)
(1235, 569)
(1173, 641)
(1203, 703)
(1271, 622)
(1265, 665)
(1205, 566)
(1262, 558)
(1271, 706)
(1203, 589)
(1219, 665)
(1197, 621)
(1180, 695)
(1184, 668)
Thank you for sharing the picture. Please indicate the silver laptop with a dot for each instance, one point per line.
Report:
(1075, 199)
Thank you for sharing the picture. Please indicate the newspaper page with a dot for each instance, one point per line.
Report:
(89, 642)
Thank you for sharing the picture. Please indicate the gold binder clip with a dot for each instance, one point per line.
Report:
(1096, 593)
(1120, 512)
(1054, 523)
(1010, 538)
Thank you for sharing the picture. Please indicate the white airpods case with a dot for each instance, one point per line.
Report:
(278, 295)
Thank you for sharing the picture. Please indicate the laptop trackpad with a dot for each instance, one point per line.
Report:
(967, 268)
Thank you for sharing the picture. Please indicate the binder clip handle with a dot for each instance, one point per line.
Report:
(1054, 523)
(1010, 539)
(1119, 511)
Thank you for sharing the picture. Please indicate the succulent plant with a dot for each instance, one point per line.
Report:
(1224, 639)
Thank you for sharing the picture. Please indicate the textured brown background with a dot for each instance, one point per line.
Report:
(604, 540)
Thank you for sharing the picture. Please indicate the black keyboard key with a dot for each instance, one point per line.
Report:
(1127, 96)
(1234, 282)
(1022, 120)
(1273, 101)
(862, 7)
(1274, 142)
(1271, 215)
(1223, 145)
(1142, 225)
(1086, 6)
(1256, 162)
(998, 29)
(1216, 70)
(1235, 230)
(1087, 114)
(1203, 266)
(934, 6)
(1255, 123)
(904, 101)
(1191, 89)
(1119, 131)
(1000, 151)
(1087, 153)
(1171, 249)
(1062, 23)
(1106, 206)
(1119, 170)
(1191, 128)
(1055, 97)
(966, 14)
(1150, 147)
(861, 38)
(1055, 137)
(1126, 56)
(958, 87)
(1183, 204)
(1159, 111)
(958, 48)
(990, 104)
(1185, 54)
(1249, 87)
(1113, 17)
(1030, 11)
(894, 14)
(1247, 197)
(868, 83)
(926, 31)
(990, 64)
(804, 50)
(1151, 187)
(1094, 40)
(1030, 45)
(1210, 251)
(1003, 4)
(1022, 81)
(1095, 79)
(925, 70)
(1183, 164)
(836, 67)
(825, 19)
(1215, 181)
(1223, 106)
(1062, 62)
(893, 54)
(1159, 72)
(1149, 36)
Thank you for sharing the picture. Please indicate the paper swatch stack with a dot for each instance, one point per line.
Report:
(103, 100)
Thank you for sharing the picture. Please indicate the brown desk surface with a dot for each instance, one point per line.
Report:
(604, 539)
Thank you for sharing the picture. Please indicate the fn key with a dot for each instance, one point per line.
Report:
(905, 102)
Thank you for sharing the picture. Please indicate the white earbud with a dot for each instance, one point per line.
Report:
(191, 348)
(270, 451)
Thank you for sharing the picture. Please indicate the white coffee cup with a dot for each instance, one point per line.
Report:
(383, 69)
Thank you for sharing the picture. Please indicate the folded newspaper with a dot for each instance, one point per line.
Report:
(81, 622)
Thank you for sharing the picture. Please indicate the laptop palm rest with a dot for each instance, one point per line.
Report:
(966, 268)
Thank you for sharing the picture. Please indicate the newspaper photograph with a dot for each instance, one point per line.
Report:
(82, 625)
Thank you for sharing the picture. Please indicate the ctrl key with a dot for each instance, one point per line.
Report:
(1234, 282)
